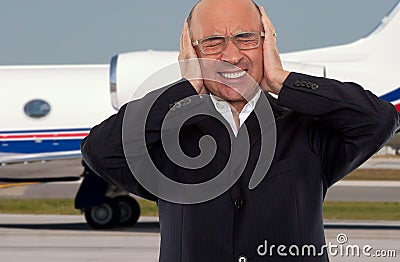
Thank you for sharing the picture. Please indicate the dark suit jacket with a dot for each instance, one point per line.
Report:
(325, 129)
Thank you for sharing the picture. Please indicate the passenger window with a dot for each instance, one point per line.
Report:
(37, 108)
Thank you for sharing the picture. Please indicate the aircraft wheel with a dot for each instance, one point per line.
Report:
(130, 210)
(106, 215)
(397, 151)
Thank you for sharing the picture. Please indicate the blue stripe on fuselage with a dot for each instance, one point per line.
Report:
(42, 146)
(392, 95)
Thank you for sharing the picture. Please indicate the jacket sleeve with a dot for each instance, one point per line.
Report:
(102, 150)
(350, 124)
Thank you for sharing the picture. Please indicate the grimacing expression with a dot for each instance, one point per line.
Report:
(227, 18)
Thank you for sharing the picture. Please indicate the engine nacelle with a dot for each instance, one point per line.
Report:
(129, 70)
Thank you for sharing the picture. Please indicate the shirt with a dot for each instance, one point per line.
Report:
(225, 110)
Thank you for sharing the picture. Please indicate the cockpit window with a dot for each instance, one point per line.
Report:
(37, 108)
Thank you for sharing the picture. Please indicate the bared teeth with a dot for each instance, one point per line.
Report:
(233, 75)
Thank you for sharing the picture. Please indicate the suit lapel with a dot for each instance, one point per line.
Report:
(209, 123)
(255, 131)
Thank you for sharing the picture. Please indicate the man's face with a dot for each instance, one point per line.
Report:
(227, 18)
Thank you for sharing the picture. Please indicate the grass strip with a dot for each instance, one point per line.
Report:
(332, 210)
(374, 174)
(362, 210)
(58, 207)
(38, 206)
(148, 208)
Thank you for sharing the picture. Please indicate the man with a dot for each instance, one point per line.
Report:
(324, 130)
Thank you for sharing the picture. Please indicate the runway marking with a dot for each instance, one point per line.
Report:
(2, 186)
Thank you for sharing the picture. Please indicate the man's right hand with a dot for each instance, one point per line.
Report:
(274, 74)
(188, 62)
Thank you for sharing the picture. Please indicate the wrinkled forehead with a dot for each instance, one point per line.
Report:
(224, 17)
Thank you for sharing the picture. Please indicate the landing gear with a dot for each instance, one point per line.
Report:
(106, 215)
(129, 210)
(119, 211)
(105, 205)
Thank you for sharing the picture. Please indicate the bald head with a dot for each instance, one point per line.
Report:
(218, 3)
(210, 18)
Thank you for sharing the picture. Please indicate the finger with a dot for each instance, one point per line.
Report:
(181, 38)
(266, 22)
(186, 41)
(265, 19)
(263, 22)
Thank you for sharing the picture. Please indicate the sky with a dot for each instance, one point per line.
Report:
(92, 31)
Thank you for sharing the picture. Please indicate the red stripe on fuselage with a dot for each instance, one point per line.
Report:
(43, 136)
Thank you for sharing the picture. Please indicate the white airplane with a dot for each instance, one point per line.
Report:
(47, 110)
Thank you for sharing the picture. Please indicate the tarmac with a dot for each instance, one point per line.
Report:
(45, 238)
(382, 163)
